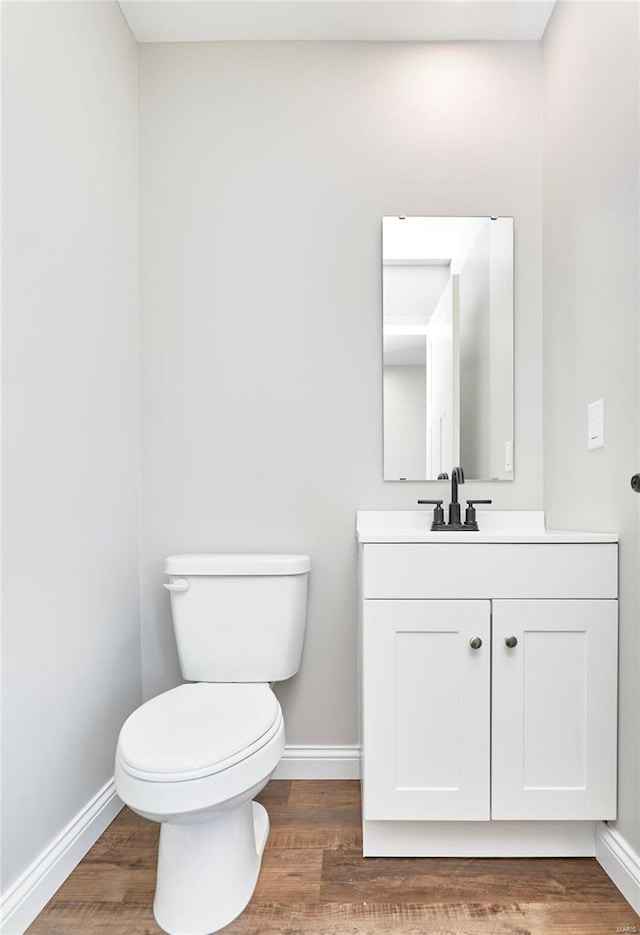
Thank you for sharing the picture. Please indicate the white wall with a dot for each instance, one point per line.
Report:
(501, 346)
(590, 131)
(71, 645)
(265, 171)
(405, 421)
(412, 291)
(475, 356)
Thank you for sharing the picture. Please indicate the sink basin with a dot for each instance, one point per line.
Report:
(495, 526)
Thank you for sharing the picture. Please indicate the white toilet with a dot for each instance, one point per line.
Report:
(194, 757)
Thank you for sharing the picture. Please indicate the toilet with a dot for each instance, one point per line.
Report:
(194, 757)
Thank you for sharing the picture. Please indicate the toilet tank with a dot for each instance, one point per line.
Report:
(237, 617)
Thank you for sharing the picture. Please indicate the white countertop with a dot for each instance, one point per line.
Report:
(496, 526)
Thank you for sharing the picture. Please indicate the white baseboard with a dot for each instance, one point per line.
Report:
(32, 891)
(319, 762)
(620, 862)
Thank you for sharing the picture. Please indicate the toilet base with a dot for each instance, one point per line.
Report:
(207, 872)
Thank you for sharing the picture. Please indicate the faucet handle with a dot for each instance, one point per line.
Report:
(438, 513)
(470, 518)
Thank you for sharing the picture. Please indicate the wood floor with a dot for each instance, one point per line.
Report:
(314, 881)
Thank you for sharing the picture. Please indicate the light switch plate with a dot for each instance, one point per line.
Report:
(508, 457)
(595, 424)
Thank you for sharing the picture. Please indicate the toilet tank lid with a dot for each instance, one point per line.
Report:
(224, 563)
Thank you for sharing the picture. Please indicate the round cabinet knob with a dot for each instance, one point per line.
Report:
(475, 643)
(511, 641)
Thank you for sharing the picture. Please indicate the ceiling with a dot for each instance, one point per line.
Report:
(346, 20)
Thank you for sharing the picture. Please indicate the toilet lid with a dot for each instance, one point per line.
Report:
(198, 729)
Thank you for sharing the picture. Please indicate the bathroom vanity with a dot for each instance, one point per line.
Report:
(488, 686)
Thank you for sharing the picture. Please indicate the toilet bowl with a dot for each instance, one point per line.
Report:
(194, 757)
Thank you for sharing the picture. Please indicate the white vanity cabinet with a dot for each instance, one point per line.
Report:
(426, 709)
(488, 691)
(554, 709)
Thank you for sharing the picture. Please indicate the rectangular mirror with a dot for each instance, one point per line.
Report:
(447, 299)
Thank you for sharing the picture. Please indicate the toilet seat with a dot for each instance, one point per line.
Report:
(180, 801)
(198, 730)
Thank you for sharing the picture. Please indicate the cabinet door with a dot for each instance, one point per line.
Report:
(554, 710)
(425, 710)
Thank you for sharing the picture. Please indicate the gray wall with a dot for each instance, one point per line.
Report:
(265, 171)
(590, 133)
(70, 445)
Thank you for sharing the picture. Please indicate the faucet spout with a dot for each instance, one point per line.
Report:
(457, 477)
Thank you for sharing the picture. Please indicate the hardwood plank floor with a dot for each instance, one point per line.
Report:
(314, 881)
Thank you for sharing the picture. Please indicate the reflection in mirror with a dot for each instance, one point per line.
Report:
(447, 297)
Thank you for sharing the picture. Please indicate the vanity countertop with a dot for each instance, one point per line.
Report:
(495, 526)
